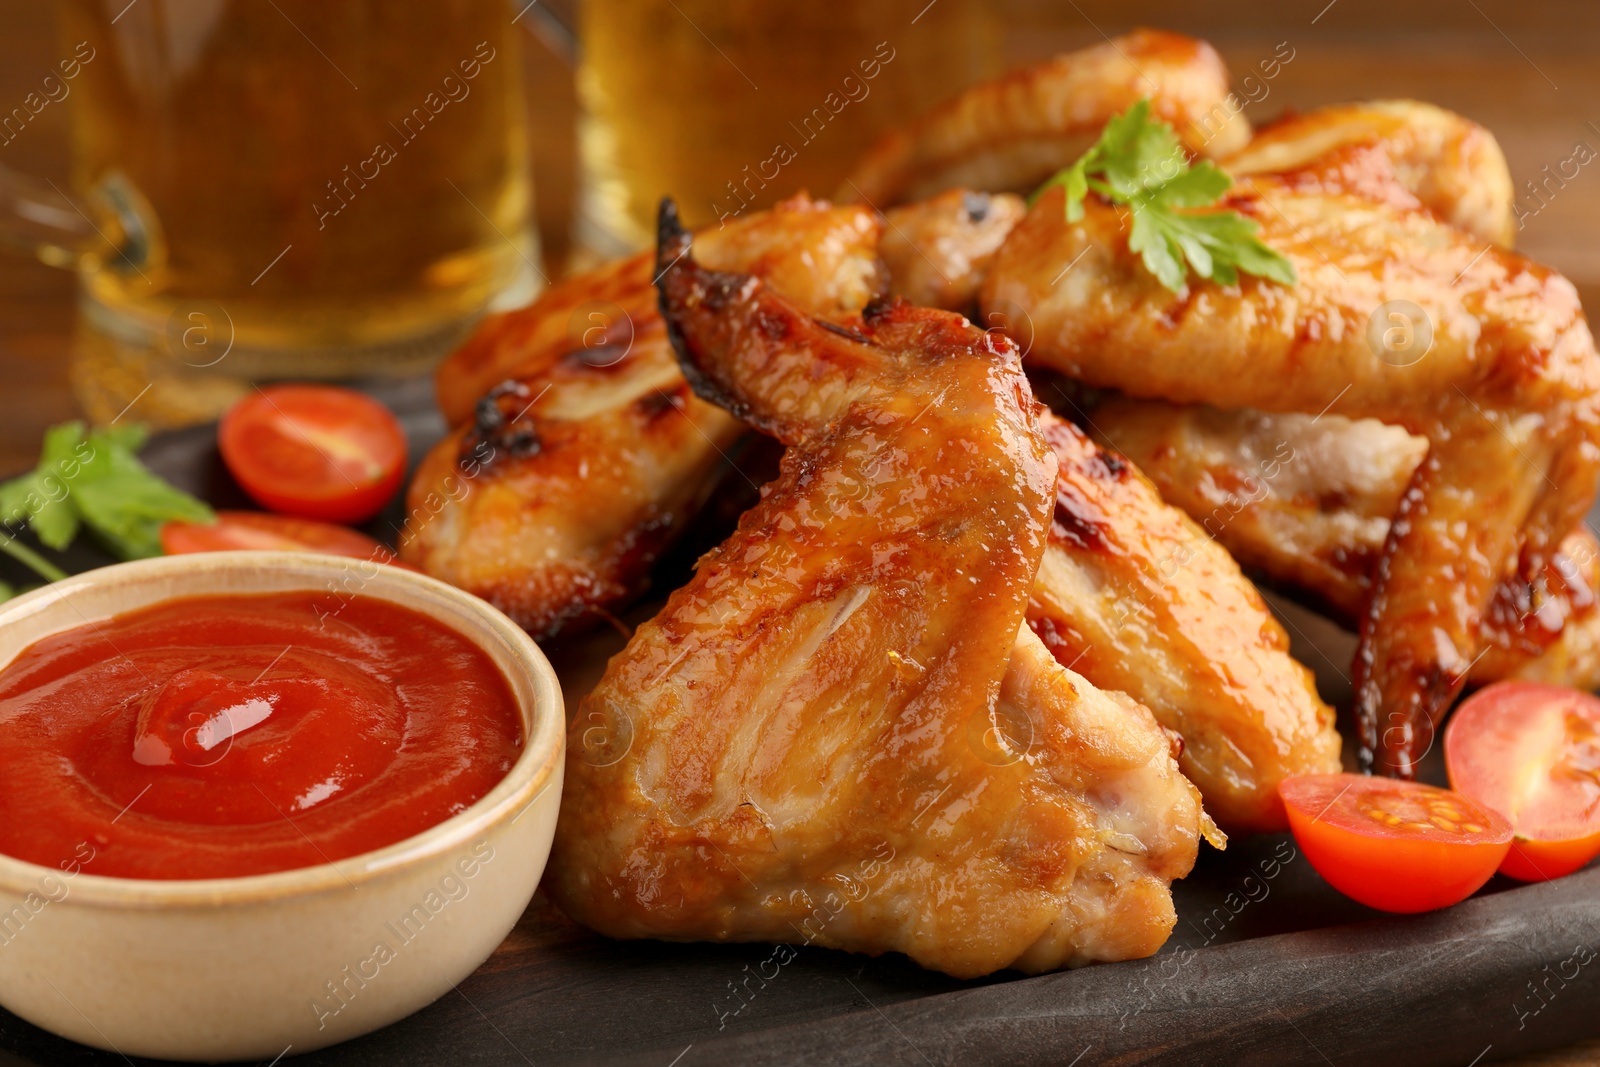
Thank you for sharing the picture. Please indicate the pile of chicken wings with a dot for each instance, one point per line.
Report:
(971, 678)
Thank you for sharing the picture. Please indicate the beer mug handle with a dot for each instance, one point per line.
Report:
(38, 216)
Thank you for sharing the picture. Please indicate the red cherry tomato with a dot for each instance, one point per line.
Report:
(1532, 753)
(1397, 846)
(277, 533)
(317, 451)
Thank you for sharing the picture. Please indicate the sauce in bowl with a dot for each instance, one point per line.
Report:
(223, 736)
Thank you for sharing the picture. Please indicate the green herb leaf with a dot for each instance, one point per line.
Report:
(55, 524)
(128, 510)
(37, 498)
(1076, 183)
(52, 516)
(1135, 153)
(1139, 162)
(123, 503)
(21, 497)
(94, 479)
(1199, 186)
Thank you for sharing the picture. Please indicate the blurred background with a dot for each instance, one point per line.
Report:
(338, 187)
(203, 137)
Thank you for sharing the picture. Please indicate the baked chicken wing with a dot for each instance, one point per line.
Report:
(938, 250)
(1136, 597)
(1307, 501)
(840, 731)
(578, 452)
(1011, 134)
(1404, 151)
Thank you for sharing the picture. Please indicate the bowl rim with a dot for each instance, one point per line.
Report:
(534, 772)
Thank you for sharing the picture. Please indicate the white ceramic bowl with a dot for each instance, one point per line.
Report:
(245, 968)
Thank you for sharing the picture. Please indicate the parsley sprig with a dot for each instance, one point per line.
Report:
(1139, 162)
(91, 479)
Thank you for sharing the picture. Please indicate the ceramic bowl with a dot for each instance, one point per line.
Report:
(248, 968)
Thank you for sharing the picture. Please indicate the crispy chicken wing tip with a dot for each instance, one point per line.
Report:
(677, 291)
(672, 238)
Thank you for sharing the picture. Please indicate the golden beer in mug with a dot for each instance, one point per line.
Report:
(730, 105)
(288, 189)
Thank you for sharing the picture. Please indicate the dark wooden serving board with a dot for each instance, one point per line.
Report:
(1268, 965)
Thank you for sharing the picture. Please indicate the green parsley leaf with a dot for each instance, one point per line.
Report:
(1139, 162)
(6, 592)
(94, 479)
(52, 516)
(128, 507)
(1135, 154)
(1216, 245)
(1076, 182)
(21, 498)
(1199, 186)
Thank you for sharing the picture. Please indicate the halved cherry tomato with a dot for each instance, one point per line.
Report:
(1398, 846)
(277, 533)
(1532, 753)
(316, 451)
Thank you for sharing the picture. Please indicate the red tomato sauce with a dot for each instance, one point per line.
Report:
(222, 736)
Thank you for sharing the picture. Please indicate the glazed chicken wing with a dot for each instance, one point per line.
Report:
(579, 453)
(1303, 499)
(1506, 393)
(1134, 596)
(1011, 134)
(1193, 642)
(840, 731)
(1307, 502)
(938, 250)
(1449, 164)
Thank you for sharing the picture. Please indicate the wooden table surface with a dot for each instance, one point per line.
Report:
(1524, 69)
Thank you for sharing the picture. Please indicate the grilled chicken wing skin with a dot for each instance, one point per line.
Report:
(840, 731)
(579, 452)
(1011, 134)
(1136, 597)
(1306, 501)
(1506, 394)
(937, 250)
(1574, 659)
(1449, 164)
(557, 325)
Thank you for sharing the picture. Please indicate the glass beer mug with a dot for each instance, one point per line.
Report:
(729, 105)
(288, 189)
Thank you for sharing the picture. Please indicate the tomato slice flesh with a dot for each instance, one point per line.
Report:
(1532, 753)
(316, 451)
(1392, 845)
(236, 530)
